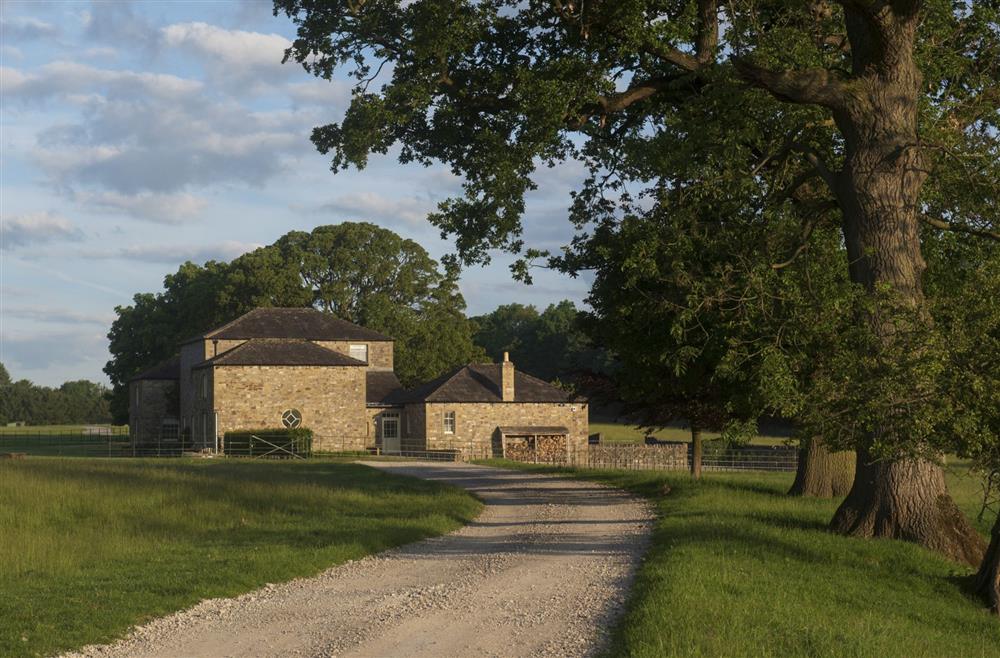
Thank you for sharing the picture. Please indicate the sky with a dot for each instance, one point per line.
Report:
(137, 135)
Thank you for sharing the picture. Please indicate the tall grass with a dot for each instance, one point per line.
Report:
(90, 547)
(737, 568)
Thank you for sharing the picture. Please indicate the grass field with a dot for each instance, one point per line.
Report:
(621, 433)
(56, 429)
(739, 569)
(90, 547)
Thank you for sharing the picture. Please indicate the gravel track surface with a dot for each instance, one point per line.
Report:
(543, 571)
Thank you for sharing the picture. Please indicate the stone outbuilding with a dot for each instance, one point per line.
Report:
(298, 367)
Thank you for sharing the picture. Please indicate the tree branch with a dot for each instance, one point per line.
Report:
(811, 86)
(804, 244)
(617, 102)
(960, 228)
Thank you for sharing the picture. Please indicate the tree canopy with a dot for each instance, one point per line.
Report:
(357, 271)
(72, 403)
(550, 345)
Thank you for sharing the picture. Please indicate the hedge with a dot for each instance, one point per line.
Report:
(270, 442)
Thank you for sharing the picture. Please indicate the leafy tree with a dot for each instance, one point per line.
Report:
(882, 111)
(356, 271)
(72, 403)
(550, 345)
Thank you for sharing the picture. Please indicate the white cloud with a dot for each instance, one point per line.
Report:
(60, 78)
(11, 52)
(34, 229)
(24, 28)
(375, 207)
(234, 58)
(177, 253)
(36, 351)
(149, 206)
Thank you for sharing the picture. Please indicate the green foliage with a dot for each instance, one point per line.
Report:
(357, 271)
(697, 183)
(74, 402)
(550, 345)
(736, 568)
(91, 547)
(275, 442)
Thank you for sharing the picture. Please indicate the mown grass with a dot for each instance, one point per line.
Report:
(91, 547)
(622, 433)
(737, 568)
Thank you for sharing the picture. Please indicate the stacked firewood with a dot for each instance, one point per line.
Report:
(543, 448)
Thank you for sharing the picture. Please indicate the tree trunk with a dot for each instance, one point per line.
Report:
(821, 473)
(988, 578)
(907, 499)
(878, 192)
(696, 450)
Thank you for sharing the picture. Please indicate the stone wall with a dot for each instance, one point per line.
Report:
(330, 399)
(380, 353)
(476, 423)
(157, 402)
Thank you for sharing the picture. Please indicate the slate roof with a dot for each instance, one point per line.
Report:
(481, 383)
(302, 323)
(280, 352)
(169, 369)
(383, 388)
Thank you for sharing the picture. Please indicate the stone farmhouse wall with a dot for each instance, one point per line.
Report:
(330, 399)
(476, 423)
(156, 401)
(379, 352)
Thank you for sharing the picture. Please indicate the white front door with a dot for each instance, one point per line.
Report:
(390, 431)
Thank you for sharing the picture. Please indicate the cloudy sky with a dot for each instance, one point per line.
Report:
(138, 135)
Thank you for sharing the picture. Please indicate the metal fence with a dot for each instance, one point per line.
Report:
(102, 441)
(87, 441)
(674, 457)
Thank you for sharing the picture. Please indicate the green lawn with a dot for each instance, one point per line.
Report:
(739, 569)
(621, 433)
(90, 547)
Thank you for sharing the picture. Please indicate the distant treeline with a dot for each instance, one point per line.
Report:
(70, 404)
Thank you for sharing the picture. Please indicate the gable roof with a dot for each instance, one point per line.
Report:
(169, 369)
(481, 383)
(300, 323)
(280, 352)
(382, 388)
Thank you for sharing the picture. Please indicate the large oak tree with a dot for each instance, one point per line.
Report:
(875, 109)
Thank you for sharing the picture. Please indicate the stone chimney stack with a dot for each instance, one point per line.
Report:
(507, 378)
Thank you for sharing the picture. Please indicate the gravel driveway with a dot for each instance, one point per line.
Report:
(543, 571)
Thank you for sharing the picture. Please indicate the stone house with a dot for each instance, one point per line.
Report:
(292, 367)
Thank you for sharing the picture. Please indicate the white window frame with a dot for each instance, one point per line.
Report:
(359, 346)
(449, 427)
(387, 416)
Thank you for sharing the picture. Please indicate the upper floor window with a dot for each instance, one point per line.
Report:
(138, 393)
(449, 422)
(204, 386)
(359, 352)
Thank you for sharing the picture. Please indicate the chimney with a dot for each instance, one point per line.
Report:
(507, 378)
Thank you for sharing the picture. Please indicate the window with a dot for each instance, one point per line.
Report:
(204, 386)
(291, 418)
(449, 422)
(359, 352)
(138, 394)
(390, 425)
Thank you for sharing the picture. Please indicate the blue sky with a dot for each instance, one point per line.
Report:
(138, 135)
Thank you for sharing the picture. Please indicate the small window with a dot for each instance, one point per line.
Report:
(449, 422)
(291, 418)
(359, 352)
(204, 386)
(138, 394)
(169, 429)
